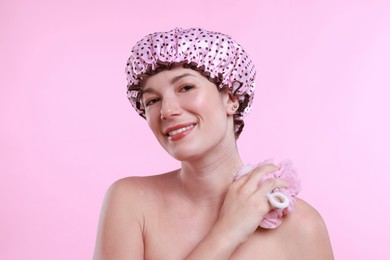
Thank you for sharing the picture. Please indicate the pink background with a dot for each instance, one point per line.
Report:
(67, 130)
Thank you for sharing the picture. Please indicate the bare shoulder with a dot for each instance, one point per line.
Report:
(136, 189)
(307, 229)
(306, 217)
(133, 185)
(121, 224)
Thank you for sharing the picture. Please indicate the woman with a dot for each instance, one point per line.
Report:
(194, 87)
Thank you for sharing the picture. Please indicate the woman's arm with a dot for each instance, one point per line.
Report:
(244, 207)
(120, 226)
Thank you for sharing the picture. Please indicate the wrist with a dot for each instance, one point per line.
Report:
(225, 238)
(218, 244)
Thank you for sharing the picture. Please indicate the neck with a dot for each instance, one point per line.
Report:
(205, 181)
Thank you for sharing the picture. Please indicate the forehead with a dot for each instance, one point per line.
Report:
(171, 77)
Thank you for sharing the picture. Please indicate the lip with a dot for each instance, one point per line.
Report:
(176, 127)
(179, 134)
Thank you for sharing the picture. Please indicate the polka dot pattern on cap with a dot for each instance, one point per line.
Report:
(215, 55)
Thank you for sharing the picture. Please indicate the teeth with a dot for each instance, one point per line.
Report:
(177, 131)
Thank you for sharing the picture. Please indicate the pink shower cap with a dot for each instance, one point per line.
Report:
(215, 55)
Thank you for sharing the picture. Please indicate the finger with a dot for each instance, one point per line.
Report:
(244, 171)
(243, 174)
(261, 170)
(267, 187)
(271, 184)
(253, 180)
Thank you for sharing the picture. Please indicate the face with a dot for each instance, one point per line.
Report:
(187, 113)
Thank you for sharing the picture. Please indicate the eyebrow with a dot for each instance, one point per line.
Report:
(173, 81)
(177, 78)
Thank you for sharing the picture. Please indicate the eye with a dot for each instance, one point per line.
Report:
(186, 88)
(151, 101)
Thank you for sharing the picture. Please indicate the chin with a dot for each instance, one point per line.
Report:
(193, 152)
(186, 154)
(195, 147)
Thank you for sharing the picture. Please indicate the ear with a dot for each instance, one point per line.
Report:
(231, 102)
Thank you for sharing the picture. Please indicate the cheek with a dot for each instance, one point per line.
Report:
(195, 102)
(205, 102)
(151, 120)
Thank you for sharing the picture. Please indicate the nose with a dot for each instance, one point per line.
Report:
(170, 107)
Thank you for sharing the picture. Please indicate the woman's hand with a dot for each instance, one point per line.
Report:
(244, 207)
(246, 204)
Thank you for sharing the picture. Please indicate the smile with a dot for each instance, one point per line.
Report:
(178, 131)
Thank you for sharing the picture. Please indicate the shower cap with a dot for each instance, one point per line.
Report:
(215, 55)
